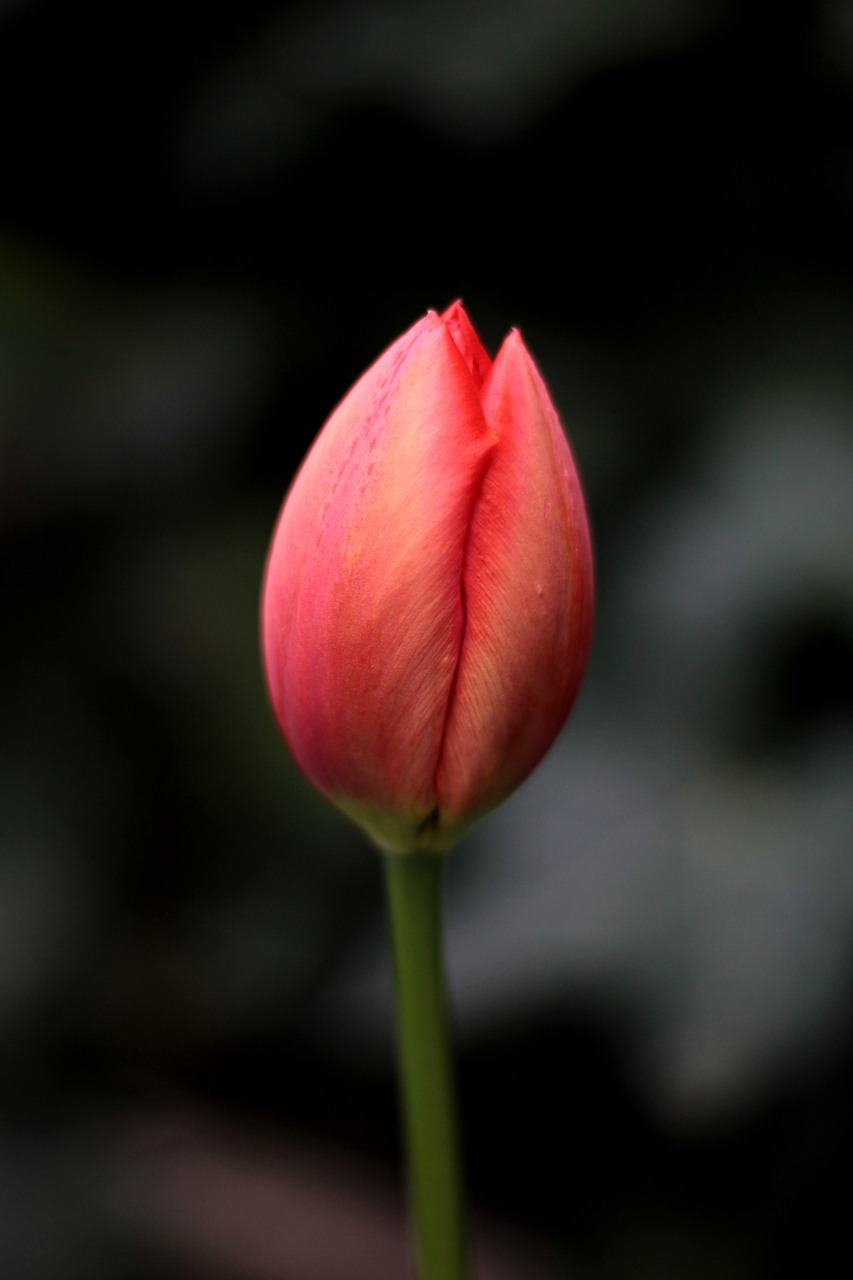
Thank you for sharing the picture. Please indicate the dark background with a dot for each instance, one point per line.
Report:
(210, 223)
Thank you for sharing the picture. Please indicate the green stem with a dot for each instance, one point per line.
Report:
(413, 883)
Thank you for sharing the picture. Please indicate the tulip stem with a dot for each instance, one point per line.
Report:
(414, 883)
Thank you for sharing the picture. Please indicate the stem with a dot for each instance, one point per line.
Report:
(414, 883)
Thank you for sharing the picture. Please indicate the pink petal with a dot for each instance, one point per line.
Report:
(362, 618)
(527, 591)
(465, 336)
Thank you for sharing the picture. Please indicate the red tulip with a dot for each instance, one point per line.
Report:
(428, 595)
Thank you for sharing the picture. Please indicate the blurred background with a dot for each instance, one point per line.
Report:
(211, 221)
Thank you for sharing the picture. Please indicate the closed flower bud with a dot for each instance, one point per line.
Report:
(427, 602)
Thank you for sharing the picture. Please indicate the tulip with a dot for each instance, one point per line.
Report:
(427, 600)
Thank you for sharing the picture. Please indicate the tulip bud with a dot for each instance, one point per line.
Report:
(427, 602)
